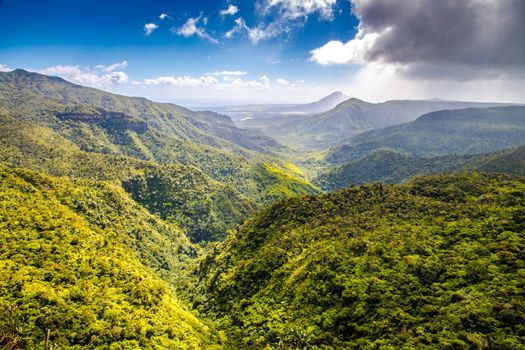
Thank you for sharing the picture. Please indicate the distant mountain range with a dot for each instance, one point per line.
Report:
(324, 104)
(244, 115)
(394, 167)
(350, 118)
(462, 132)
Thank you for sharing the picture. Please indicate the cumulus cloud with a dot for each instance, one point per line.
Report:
(4, 68)
(281, 17)
(230, 10)
(294, 9)
(113, 67)
(204, 80)
(163, 16)
(256, 34)
(190, 28)
(149, 28)
(97, 76)
(430, 39)
(230, 79)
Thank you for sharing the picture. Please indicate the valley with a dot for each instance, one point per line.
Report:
(131, 224)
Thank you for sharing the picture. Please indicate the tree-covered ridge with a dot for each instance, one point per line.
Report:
(82, 260)
(463, 132)
(203, 207)
(46, 100)
(110, 128)
(393, 167)
(350, 118)
(433, 264)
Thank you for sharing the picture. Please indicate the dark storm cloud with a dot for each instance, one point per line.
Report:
(485, 33)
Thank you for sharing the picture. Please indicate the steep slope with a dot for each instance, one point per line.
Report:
(81, 262)
(393, 167)
(203, 207)
(61, 128)
(47, 99)
(353, 117)
(101, 122)
(463, 131)
(433, 264)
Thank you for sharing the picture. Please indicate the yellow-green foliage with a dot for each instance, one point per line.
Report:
(79, 259)
(203, 207)
(277, 184)
(437, 263)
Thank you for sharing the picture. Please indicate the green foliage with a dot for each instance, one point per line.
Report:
(394, 167)
(462, 132)
(26, 145)
(77, 258)
(348, 119)
(436, 263)
(277, 184)
(62, 129)
(204, 208)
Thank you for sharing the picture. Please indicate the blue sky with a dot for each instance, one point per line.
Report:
(226, 51)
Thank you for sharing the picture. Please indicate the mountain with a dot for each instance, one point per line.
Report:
(433, 264)
(25, 94)
(394, 167)
(324, 104)
(250, 116)
(197, 169)
(86, 267)
(462, 132)
(203, 207)
(353, 117)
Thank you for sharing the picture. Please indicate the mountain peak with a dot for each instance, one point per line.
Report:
(334, 96)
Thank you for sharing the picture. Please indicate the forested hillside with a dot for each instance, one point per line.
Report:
(350, 118)
(103, 197)
(214, 168)
(82, 261)
(392, 167)
(434, 264)
(463, 131)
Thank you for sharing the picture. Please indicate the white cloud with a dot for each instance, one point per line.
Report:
(285, 16)
(97, 76)
(229, 73)
(190, 28)
(5, 68)
(293, 9)
(379, 82)
(208, 89)
(163, 16)
(254, 34)
(204, 80)
(352, 52)
(230, 79)
(402, 50)
(149, 28)
(264, 79)
(230, 10)
(113, 67)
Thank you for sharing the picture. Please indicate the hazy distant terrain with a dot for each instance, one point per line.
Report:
(248, 114)
(349, 118)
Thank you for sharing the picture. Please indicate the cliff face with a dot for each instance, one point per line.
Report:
(110, 120)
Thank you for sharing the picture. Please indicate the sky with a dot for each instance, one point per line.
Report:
(220, 52)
